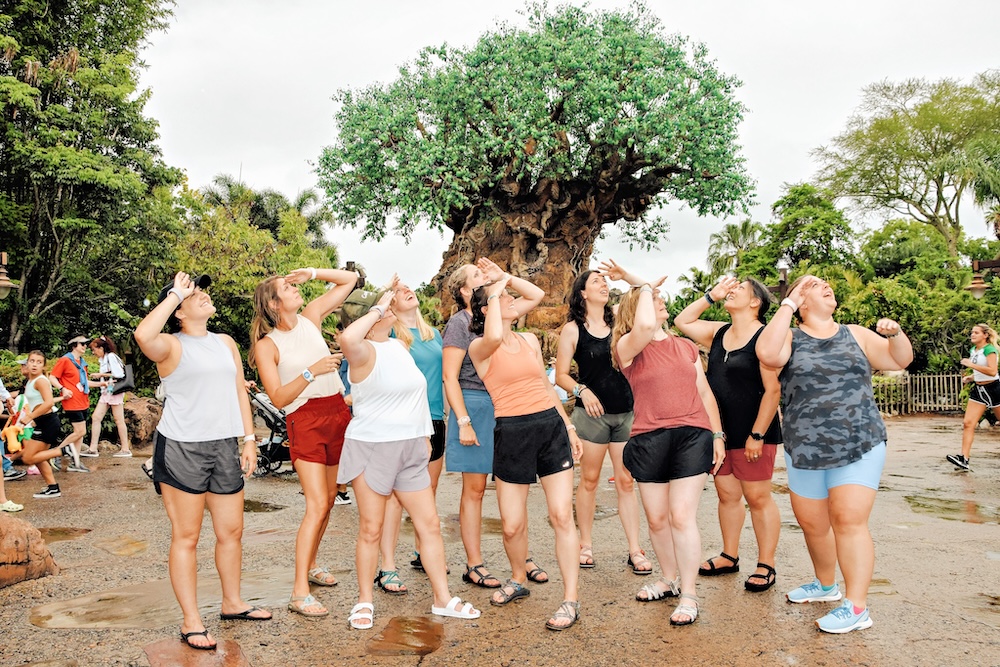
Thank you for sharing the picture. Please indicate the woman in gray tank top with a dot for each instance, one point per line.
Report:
(834, 438)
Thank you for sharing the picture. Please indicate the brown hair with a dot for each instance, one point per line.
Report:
(105, 344)
(265, 315)
(455, 283)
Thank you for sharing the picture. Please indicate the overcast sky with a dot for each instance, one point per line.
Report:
(244, 87)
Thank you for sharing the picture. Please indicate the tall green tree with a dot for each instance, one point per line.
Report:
(528, 143)
(809, 227)
(728, 247)
(912, 148)
(85, 207)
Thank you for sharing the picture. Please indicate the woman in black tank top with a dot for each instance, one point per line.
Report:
(603, 413)
(747, 393)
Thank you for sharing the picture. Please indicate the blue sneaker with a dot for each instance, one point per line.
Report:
(813, 592)
(843, 619)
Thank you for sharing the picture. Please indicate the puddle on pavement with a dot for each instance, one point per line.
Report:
(451, 531)
(174, 653)
(137, 486)
(604, 512)
(987, 609)
(407, 635)
(123, 545)
(882, 587)
(152, 604)
(779, 488)
(61, 534)
(53, 663)
(251, 537)
(953, 510)
(260, 506)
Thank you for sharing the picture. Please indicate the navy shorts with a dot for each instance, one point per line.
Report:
(527, 447)
(667, 454)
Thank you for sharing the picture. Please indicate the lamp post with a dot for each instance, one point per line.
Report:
(6, 284)
(978, 286)
(781, 289)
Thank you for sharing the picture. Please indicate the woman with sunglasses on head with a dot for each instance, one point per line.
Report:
(534, 441)
(835, 439)
(197, 462)
(985, 391)
(300, 376)
(112, 368)
(747, 393)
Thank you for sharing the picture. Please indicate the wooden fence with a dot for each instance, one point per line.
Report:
(905, 393)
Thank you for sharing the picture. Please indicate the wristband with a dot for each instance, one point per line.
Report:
(645, 288)
(250, 438)
(491, 297)
(378, 309)
(578, 388)
(719, 435)
(791, 304)
(176, 292)
(313, 276)
(708, 297)
(570, 427)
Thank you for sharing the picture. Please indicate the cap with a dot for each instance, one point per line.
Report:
(78, 339)
(358, 304)
(22, 361)
(201, 281)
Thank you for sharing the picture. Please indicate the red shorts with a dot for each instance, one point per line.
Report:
(316, 430)
(736, 464)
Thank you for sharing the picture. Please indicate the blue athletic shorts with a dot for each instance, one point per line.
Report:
(816, 484)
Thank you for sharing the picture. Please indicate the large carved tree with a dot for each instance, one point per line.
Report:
(528, 143)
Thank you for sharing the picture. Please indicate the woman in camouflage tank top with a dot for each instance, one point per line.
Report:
(834, 438)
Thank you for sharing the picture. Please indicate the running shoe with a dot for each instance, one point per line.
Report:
(814, 592)
(843, 619)
(342, 499)
(959, 461)
(49, 492)
(32, 470)
(12, 474)
(77, 468)
(56, 466)
(88, 453)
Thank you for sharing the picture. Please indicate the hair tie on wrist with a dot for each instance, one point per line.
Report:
(313, 277)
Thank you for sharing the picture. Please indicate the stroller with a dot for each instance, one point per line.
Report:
(272, 451)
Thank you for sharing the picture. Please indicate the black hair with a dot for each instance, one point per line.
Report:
(763, 294)
(578, 307)
(479, 301)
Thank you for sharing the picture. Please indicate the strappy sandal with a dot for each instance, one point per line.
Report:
(768, 578)
(564, 612)
(186, 638)
(517, 592)
(713, 571)
(484, 577)
(362, 611)
(388, 578)
(639, 558)
(536, 573)
(653, 593)
(685, 609)
(300, 605)
(321, 577)
(586, 557)
(455, 609)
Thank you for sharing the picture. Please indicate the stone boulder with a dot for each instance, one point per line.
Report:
(141, 417)
(23, 553)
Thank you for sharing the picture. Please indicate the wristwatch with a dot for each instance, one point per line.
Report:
(309, 377)
(757, 436)
(464, 421)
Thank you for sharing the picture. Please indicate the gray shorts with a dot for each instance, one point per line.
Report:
(604, 429)
(211, 466)
(397, 465)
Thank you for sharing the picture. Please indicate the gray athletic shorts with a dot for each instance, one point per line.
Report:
(398, 465)
(210, 466)
(604, 429)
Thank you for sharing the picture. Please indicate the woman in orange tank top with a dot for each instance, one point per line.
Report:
(534, 439)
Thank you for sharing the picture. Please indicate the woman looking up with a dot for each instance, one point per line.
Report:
(299, 375)
(747, 393)
(197, 463)
(603, 412)
(469, 436)
(834, 438)
(676, 437)
(534, 440)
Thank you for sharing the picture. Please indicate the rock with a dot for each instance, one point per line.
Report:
(23, 553)
(141, 417)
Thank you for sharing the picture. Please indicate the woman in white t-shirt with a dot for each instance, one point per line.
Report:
(112, 368)
(985, 391)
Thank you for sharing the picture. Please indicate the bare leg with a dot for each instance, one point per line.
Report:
(628, 507)
(371, 514)
(420, 506)
(731, 516)
(513, 502)
(470, 515)
(683, 506)
(766, 521)
(850, 506)
(656, 502)
(814, 518)
(118, 411)
(227, 522)
(185, 511)
(315, 486)
(95, 424)
(973, 413)
(558, 489)
(390, 537)
(586, 494)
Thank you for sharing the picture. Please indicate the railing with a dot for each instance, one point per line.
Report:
(905, 394)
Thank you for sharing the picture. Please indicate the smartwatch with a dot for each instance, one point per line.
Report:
(757, 436)
(309, 377)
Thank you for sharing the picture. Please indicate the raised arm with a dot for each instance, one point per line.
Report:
(774, 345)
(643, 328)
(530, 294)
(359, 353)
(700, 331)
(483, 348)
(890, 351)
(320, 308)
(163, 349)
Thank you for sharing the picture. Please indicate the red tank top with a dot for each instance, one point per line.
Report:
(665, 386)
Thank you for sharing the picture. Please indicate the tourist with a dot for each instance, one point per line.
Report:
(984, 393)
(69, 378)
(112, 369)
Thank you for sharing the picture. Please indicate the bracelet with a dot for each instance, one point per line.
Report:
(491, 297)
(791, 304)
(578, 389)
(250, 438)
(719, 434)
(570, 427)
(895, 334)
(708, 297)
(176, 292)
(464, 421)
(378, 309)
(313, 276)
(646, 288)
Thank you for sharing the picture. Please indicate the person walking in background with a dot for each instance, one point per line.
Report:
(43, 444)
(299, 375)
(603, 413)
(197, 462)
(984, 394)
(747, 394)
(469, 435)
(69, 377)
(835, 439)
(676, 437)
(112, 368)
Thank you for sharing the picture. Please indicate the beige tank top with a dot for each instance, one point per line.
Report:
(298, 349)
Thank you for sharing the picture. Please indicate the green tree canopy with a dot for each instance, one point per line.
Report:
(527, 143)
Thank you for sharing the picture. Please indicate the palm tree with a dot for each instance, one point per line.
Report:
(696, 282)
(318, 215)
(727, 247)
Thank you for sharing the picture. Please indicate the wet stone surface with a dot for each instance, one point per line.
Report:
(175, 653)
(123, 545)
(407, 635)
(59, 534)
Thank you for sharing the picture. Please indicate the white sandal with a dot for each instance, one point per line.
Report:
(453, 611)
(653, 593)
(357, 614)
(688, 610)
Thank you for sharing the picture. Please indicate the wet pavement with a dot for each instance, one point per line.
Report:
(935, 598)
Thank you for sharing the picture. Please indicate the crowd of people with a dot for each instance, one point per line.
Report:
(402, 402)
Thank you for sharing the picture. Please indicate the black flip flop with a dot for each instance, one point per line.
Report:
(245, 615)
(186, 638)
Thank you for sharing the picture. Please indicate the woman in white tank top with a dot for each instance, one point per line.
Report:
(206, 411)
(300, 375)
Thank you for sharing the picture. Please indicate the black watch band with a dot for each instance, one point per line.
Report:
(757, 436)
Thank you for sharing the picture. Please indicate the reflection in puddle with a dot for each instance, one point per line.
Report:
(59, 534)
(123, 545)
(173, 653)
(451, 531)
(882, 587)
(153, 605)
(953, 510)
(260, 506)
(407, 635)
(269, 535)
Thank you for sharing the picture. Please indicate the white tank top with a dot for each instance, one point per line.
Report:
(201, 402)
(391, 403)
(298, 349)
